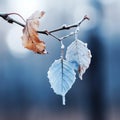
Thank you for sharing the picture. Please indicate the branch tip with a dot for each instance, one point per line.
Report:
(86, 17)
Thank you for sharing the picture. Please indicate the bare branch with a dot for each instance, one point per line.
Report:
(46, 32)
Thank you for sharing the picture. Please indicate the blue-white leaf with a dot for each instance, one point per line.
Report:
(61, 77)
(79, 55)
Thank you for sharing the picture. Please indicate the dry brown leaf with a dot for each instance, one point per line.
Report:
(30, 38)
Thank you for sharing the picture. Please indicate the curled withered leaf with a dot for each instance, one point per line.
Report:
(30, 38)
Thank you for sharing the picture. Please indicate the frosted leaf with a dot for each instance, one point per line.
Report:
(61, 77)
(79, 55)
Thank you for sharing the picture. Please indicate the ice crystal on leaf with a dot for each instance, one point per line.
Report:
(79, 55)
(61, 77)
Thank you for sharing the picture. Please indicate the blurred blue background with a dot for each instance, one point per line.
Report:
(25, 92)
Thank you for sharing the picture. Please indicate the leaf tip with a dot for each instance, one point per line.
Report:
(86, 17)
(63, 99)
(80, 76)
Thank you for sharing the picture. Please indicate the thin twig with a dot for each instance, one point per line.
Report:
(70, 26)
(54, 36)
(66, 36)
(67, 28)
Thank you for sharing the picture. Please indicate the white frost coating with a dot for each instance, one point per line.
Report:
(63, 100)
(79, 55)
(62, 47)
(61, 76)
